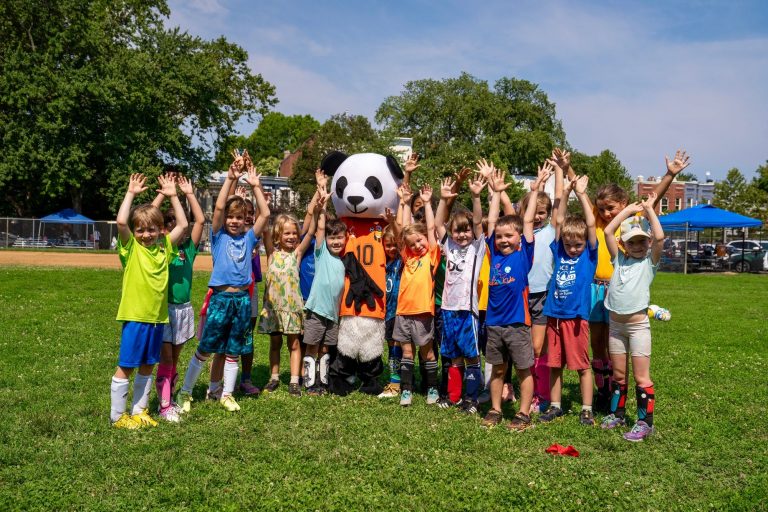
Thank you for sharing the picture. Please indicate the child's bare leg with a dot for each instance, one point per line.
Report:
(585, 384)
(556, 385)
(294, 347)
(217, 367)
(526, 389)
(275, 344)
(497, 383)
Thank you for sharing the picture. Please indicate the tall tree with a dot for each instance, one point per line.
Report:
(729, 193)
(91, 90)
(602, 169)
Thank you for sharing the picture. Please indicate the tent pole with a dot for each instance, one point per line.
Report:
(685, 252)
(743, 245)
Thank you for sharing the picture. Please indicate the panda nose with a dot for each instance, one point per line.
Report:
(355, 200)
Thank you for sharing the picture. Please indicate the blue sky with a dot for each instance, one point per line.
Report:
(639, 78)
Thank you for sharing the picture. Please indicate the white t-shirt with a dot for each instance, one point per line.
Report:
(462, 269)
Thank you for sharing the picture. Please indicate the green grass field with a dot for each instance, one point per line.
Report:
(58, 347)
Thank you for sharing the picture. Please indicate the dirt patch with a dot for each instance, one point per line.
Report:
(84, 259)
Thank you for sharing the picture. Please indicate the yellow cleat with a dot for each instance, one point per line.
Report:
(229, 403)
(125, 421)
(143, 419)
(184, 400)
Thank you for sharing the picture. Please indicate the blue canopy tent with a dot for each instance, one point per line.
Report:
(706, 216)
(66, 216)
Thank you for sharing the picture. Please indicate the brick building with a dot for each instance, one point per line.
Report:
(680, 195)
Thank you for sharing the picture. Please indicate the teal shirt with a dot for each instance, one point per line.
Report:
(327, 286)
(630, 287)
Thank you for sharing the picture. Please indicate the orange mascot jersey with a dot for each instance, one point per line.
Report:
(365, 243)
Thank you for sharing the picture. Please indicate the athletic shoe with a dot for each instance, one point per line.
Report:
(316, 390)
(125, 421)
(612, 421)
(271, 386)
(468, 407)
(640, 431)
(484, 396)
(215, 394)
(447, 403)
(552, 413)
(184, 400)
(170, 414)
(229, 403)
(294, 389)
(520, 422)
(432, 396)
(143, 419)
(508, 394)
(405, 397)
(586, 418)
(179, 409)
(247, 388)
(491, 419)
(392, 390)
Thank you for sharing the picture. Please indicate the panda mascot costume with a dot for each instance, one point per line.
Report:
(364, 185)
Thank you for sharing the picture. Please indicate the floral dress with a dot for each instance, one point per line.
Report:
(283, 310)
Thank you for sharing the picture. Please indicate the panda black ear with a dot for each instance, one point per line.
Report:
(394, 167)
(332, 161)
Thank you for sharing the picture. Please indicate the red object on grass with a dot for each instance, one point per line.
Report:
(558, 449)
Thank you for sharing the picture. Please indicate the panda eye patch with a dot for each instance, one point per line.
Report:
(374, 186)
(341, 184)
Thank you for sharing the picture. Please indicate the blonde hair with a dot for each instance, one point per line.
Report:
(417, 228)
(541, 200)
(235, 204)
(574, 226)
(147, 215)
(278, 226)
(511, 220)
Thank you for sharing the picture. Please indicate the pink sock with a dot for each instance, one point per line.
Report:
(541, 371)
(163, 384)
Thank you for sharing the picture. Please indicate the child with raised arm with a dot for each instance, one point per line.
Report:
(181, 326)
(394, 267)
(627, 300)
(227, 328)
(144, 301)
(283, 310)
(508, 322)
(414, 323)
(464, 251)
(568, 300)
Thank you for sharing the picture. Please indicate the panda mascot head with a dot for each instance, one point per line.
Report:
(364, 184)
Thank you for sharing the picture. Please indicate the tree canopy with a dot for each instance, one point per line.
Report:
(92, 90)
(734, 193)
(602, 169)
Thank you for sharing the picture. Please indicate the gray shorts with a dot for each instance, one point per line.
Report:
(507, 342)
(181, 324)
(416, 329)
(632, 338)
(318, 329)
(536, 307)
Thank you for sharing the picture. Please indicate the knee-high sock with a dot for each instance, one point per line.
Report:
(618, 399)
(445, 365)
(455, 378)
(325, 363)
(118, 394)
(163, 385)
(195, 368)
(395, 354)
(230, 374)
(406, 374)
(541, 377)
(430, 368)
(472, 377)
(310, 369)
(142, 385)
(646, 399)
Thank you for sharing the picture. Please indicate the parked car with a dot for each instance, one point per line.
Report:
(677, 246)
(747, 255)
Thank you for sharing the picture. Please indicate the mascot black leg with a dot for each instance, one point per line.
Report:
(341, 369)
(369, 373)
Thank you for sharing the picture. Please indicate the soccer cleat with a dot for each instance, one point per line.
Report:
(316, 390)
(125, 421)
(551, 414)
(612, 421)
(392, 390)
(170, 414)
(294, 389)
(520, 422)
(405, 398)
(491, 419)
(586, 418)
(229, 403)
(446, 403)
(432, 396)
(640, 431)
(143, 419)
(468, 407)
(271, 386)
(184, 400)
(248, 389)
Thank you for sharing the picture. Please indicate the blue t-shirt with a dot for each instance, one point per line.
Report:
(543, 264)
(232, 258)
(307, 270)
(394, 271)
(570, 292)
(327, 286)
(508, 284)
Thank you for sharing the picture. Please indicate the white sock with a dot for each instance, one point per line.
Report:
(586, 408)
(230, 375)
(555, 404)
(142, 385)
(275, 376)
(194, 370)
(294, 379)
(325, 363)
(310, 367)
(487, 375)
(118, 393)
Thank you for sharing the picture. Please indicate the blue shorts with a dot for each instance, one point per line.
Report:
(228, 325)
(459, 334)
(140, 344)
(597, 313)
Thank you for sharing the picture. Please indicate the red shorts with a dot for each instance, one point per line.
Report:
(568, 339)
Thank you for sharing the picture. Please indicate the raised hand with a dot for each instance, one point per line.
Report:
(185, 185)
(635, 207)
(543, 173)
(167, 185)
(322, 199)
(680, 162)
(462, 175)
(237, 165)
(241, 191)
(426, 193)
(561, 158)
(649, 201)
(497, 181)
(412, 163)
(388, 215)
(446, 189)
(136, 184)
(405, 194)
(267, 197)
(485, 169)
(252, 178)
(247, 162)
(580, 185)
(476, 185)
(321, 179)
